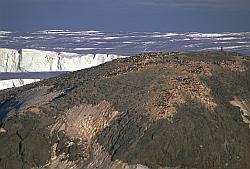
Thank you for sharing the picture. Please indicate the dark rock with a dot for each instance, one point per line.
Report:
(166, 110)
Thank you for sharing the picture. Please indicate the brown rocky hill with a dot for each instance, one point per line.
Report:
(156, 110)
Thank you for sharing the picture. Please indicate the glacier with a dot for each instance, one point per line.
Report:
(33, 60)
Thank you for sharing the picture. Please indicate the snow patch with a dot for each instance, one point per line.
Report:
(4, 84)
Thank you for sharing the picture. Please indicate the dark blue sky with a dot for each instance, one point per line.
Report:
(126, 15)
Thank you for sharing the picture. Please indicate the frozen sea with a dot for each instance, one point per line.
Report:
(124, 43)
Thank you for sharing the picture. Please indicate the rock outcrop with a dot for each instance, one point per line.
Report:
(156, 110)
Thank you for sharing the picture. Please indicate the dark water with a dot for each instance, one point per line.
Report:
(124, 43)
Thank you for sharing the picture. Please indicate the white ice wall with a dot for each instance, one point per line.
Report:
(36, 60)
(9, 60)
(31, 60)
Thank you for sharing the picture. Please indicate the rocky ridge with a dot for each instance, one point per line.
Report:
(153, 110)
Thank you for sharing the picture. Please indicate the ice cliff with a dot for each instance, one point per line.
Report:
(31, 60)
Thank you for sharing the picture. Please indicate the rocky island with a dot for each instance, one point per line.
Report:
(172, 110)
